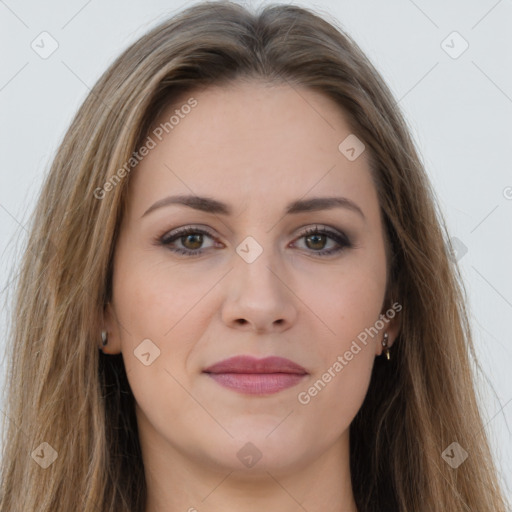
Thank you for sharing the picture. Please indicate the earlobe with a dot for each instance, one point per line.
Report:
(109, 335)
(104, 338)
(393, 329)
(385, 345)
(390, 332)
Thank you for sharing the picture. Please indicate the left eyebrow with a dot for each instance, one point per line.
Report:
(209, 205)
(323, 203)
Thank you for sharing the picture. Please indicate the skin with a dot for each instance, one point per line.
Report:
(255, 147)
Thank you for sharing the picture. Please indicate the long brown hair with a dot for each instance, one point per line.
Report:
(65, 392)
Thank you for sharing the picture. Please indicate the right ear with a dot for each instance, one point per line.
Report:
(112, 327)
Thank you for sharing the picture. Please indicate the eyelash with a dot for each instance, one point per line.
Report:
(169, 238)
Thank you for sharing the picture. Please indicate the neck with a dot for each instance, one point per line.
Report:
(184, 482)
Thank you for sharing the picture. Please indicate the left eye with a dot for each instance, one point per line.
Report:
(192, 240)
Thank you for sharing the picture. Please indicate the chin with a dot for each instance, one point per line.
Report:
(254, 450)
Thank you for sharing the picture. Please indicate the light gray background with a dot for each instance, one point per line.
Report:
(459, 109)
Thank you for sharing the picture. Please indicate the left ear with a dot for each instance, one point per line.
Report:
(391, 316)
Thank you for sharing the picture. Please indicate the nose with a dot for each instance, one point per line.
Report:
(260, 296)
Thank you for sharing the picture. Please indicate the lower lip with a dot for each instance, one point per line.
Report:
(257, 383)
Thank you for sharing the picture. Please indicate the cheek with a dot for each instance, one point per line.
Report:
(167, 304)
(353, 301)
(334, 396)
(338, 385)
(350, 308)
(153, 296)
(155, 302)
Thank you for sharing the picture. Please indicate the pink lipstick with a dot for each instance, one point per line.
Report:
(250, 375)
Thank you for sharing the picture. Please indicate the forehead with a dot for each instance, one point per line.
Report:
(250, 140)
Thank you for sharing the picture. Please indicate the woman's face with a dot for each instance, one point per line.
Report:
(249, 280)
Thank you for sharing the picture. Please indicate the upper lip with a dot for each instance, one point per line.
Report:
(249, 364)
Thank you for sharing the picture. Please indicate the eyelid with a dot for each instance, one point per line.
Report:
(338, 236)
(301, 230)
(184, 229)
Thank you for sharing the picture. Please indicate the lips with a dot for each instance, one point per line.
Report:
(247, 364)
(246, 374)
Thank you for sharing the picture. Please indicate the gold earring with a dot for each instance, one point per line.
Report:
(385, 345)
